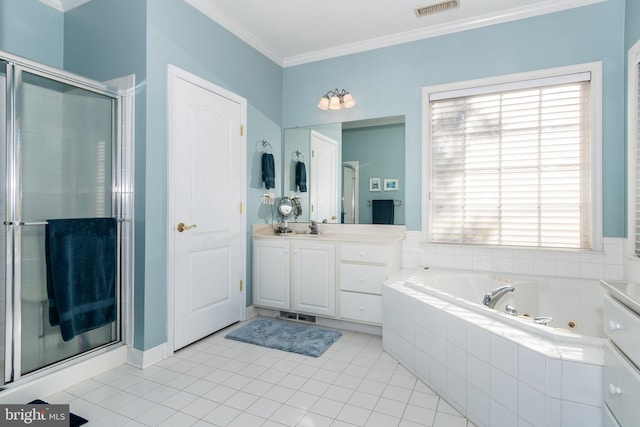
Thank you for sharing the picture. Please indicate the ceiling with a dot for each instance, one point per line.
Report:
(292, 32)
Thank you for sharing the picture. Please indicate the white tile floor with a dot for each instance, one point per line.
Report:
(220, 382)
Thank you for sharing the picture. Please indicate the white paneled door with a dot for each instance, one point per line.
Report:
(323, 192)
(207, 192)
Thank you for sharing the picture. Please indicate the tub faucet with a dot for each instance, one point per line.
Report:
(491, 298)
(542, 320)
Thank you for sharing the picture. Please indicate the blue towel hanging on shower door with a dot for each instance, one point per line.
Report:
(81, 273)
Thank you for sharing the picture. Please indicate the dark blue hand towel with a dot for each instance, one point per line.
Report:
(268, 171)
(301, 177)
(81, 273)
(382, 211)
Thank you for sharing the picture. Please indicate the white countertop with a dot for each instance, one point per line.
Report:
(626, 292)
(356, 233)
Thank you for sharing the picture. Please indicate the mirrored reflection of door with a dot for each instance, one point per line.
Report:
(323, 192)
(64, 168)
(350, 196)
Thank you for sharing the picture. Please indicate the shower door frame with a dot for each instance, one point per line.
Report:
(15, 66)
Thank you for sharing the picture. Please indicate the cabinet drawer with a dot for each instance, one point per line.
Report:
(621, 387)
(622, 326)
(361, 307)
(363, 253)
(362, 278)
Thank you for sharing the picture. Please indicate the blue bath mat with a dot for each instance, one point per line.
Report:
(287, 336)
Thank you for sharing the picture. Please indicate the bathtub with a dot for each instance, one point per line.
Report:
(499, 369)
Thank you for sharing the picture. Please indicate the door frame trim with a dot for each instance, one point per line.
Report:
(173, 73)
(355, 165)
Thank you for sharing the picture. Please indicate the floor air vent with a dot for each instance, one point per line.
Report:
(288, 315)
(307, 318)
(435, 8)
(295, 316)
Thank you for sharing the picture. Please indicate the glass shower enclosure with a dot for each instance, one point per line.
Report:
(58, 159)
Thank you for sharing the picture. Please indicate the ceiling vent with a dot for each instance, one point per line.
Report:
(435, 8)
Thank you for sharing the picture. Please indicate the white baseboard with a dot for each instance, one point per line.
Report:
(144, 359)
(250, 312)
(39, 387)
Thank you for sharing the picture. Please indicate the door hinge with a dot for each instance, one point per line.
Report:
(240, 285)
(241, 208)
(241, 130)
(313, 153)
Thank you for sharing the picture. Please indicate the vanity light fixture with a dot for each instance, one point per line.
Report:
(335, 99)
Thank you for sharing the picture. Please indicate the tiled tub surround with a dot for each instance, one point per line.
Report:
(609, 262)
(496, 370)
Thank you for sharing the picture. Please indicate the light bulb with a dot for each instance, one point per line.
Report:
(324, 103)
(334, 104)
(348, 101)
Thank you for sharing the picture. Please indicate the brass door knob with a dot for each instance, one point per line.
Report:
(182, 227)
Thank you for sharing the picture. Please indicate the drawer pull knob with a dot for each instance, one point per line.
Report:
(362, 279)
(361, 308)
(614, 326)
(614, 391)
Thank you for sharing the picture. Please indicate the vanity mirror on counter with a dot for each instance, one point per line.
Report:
(353, 171)
(285, 209)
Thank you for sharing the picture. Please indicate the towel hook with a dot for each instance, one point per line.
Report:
(267, 147)
(299, 155)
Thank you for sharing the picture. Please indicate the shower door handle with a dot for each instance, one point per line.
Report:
(182, 227)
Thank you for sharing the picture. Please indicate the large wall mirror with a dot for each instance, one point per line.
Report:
(353, 171)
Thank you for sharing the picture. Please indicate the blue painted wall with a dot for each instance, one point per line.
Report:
(388, 82)
(30, 29)
(180, 35)
(93, 49)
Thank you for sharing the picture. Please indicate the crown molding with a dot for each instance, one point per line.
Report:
(437, 30)
(213, 13)
(64, 5)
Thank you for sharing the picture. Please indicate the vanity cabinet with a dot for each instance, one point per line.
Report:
(332, 276)
(363, 269)
(621, 358)
(313, 272)
(271, 273)
(294, 275)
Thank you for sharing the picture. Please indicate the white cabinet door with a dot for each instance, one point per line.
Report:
(271, 272)
(314, 278)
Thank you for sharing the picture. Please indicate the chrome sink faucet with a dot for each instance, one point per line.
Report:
(313, 227)
(491, 298)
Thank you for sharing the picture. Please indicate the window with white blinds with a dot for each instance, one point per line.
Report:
(510, 164)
